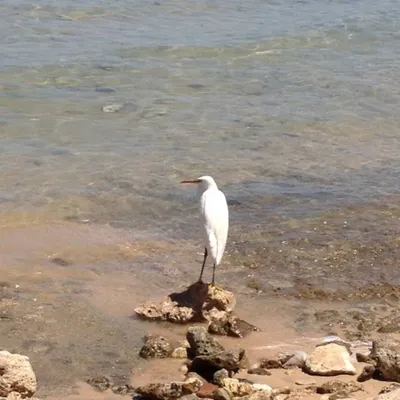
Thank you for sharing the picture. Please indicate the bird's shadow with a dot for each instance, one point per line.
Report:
(192, 297)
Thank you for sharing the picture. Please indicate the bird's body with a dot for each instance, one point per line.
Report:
(215, 218)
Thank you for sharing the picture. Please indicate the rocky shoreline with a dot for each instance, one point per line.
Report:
(210, 370)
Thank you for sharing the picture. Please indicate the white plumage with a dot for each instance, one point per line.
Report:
(215, 218)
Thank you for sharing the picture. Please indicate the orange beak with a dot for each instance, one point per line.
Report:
(192, 181)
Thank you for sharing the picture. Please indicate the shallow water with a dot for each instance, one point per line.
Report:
(292, 106)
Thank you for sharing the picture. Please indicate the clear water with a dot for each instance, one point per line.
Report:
(292, 106)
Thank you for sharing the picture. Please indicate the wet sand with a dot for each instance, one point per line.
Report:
(68, 291)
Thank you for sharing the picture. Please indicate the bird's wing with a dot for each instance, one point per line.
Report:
(214, 210)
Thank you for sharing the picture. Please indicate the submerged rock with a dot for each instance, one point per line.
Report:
(119, 107)
(193, 304)
(386, 354)
(16, 375)
(100, 383)
(270, 364)
(173, 390)
(229, 325)
(329, 360)
(344, 388)
(156, 347)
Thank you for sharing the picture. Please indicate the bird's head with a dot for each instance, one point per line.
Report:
(204, 183)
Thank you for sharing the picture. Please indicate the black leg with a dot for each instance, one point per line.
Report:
(202, 267)
(213, 279)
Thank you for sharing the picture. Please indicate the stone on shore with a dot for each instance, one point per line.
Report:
(296, 360)
(329, 360)
(201, 342)
(231, 360)
(338, 387)
(16, 375)
(386, 354)
(238, 388)
(156, 347)
(193, 304)
(173, 390)
(393, 395)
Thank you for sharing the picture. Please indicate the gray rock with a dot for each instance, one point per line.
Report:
(189, 397)
(156, 347)
(270, 363)
(220, 394)
(297, 360)
(102, 89)
(16, 375)
(329, 360)
(201, 342)
(219, 376)
(386, 353)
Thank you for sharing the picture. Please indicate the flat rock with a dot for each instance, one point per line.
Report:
(335, 386)
(219, 376)
(386, 354)
(394, 395)
(173, 390)
(16, 375)
(156, 347)
(329, 360)
(258, 371)
(193, 304)
(201, 342)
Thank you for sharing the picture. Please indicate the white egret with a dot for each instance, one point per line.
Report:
(215, 217)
